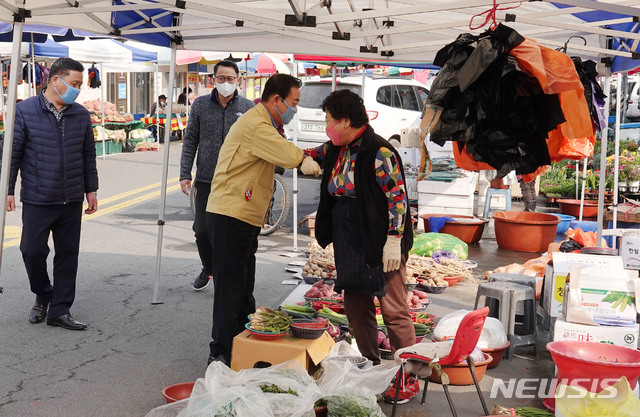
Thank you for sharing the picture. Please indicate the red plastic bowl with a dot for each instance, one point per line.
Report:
(525, 231)
(177, 392)
(496, 354)
(572, 208)
(468, 229)
(459, 373)
(452, 280)
(593, 362)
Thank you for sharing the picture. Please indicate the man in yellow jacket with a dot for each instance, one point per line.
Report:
(240, 194)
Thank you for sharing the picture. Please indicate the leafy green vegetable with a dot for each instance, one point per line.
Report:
(353, 406)
(274, 389)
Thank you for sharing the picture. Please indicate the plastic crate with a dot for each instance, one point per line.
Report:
(113, 147)
(98, 144)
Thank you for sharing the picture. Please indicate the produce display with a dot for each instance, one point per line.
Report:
(320, 290)
(426, 243)
(110, 112)
(417, 298)
(321, 263)
(268, 320)
(100, 133)
(432, 270)
(146, 146)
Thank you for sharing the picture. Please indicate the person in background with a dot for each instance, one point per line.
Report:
(182, 98)
(210, 119)
(241, 191)
(158, 106)
(364, 211)
(54, 151)
(529, 196)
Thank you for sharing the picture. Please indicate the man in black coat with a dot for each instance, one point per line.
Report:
(53, 148)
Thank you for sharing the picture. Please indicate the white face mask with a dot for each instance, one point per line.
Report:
(225, 89)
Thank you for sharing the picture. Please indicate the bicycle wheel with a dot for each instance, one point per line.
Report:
(278, 208)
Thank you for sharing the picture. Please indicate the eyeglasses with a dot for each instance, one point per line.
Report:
(227, 79)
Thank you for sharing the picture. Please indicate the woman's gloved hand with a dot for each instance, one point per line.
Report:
(391, 254)
(310, 167)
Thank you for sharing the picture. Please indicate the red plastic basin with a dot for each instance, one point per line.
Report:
(525, 231)
(598, 363)
(572, 208)
(177, 392)
(468, 229)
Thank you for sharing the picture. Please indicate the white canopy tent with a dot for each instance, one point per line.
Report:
(393, 30)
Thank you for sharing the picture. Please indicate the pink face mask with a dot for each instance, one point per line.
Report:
(333, 134)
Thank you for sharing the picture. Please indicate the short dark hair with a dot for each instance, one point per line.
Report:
(280, 84)
(184, 90)
(62, 66)
(225, 63)
(162, 97)
(345, 104)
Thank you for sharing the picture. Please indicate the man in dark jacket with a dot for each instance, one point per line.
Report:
(54, 151)
(210, 119)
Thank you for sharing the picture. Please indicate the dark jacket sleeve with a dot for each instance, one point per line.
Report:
(190, 142)
(17, 150)
(89, 156)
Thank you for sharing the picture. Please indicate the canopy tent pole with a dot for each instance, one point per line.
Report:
(603, 160)
(295, 178)
(616, 161)
(577, 177)
(584, 178)
(33, 69)
(165, 169)
(157, 115)
(334, 81)
(9, 121)
(104, 131)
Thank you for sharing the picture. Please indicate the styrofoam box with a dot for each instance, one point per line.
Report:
(440, 200)
(409, 156)
(445, 210)
(630, 252)
(460, 186)
(619, 336)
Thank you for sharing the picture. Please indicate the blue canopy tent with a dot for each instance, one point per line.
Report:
(393, 31)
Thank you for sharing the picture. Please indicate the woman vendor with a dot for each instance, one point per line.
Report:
(364, 212)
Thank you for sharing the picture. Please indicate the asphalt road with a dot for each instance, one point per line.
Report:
(132, 348)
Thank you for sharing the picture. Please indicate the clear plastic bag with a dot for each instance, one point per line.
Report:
(426, 243)
(224, 392)
(617, 400)
(351, 391)
(493, 334)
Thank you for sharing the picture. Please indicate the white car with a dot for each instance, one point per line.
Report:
(392, 104)
(633, 101)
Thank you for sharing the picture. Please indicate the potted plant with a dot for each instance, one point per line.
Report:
(320, 407)
(633, 178)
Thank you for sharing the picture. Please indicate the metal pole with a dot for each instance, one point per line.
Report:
(334, 82)
(157, 115)
(33, 68)
(104, 132)
(616, 161)
(295, 178)
(603, 160)
(165, 169)
(9, 125)
(584, 177)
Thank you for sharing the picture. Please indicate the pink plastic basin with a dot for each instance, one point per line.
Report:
(589, 362)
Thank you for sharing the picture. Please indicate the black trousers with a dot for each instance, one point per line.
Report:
(38, 222)
(234, 266)
(205, 249)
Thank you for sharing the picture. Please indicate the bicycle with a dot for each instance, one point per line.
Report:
(278, 207)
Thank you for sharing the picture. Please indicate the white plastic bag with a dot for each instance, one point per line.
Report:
(349, 390)
(493, 333)
(224, 392)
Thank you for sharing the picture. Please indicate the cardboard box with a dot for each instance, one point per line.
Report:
(619, 336)
(247, 351)
(601, 296)
(630, 252)
(554, 293)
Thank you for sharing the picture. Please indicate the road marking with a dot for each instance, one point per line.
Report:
(11, 232)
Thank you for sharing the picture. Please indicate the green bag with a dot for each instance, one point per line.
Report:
(426, 243)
